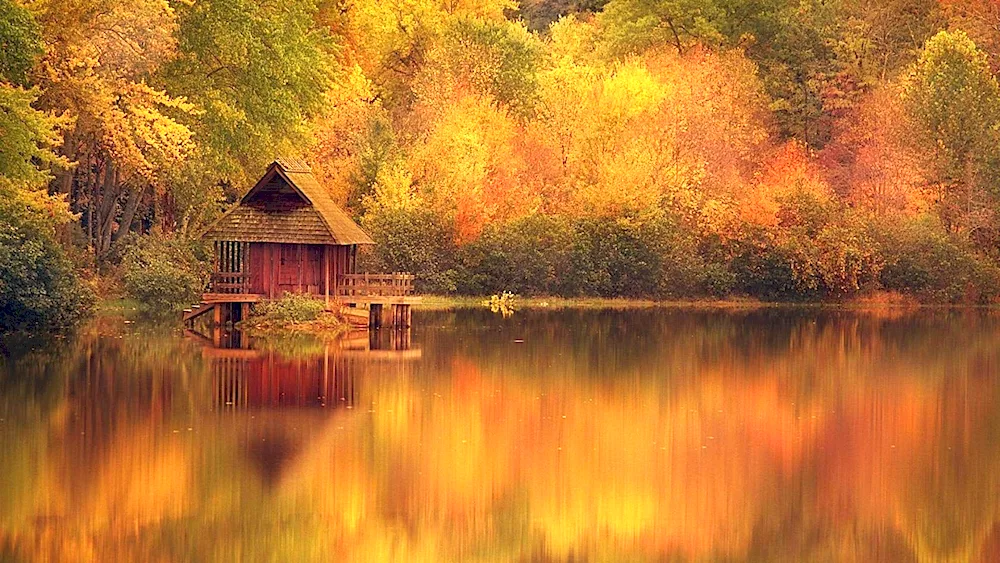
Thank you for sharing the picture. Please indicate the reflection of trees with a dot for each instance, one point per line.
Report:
(846, 418)
(98, 471)
(642, 435)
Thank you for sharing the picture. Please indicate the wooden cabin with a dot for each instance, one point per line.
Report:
(286, 235)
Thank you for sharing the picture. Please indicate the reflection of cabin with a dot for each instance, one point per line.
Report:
(287, 235)
(250, 379)
(317, 375)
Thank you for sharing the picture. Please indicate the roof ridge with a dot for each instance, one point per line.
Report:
(292, 164)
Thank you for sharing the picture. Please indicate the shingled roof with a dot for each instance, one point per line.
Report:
(287, 205)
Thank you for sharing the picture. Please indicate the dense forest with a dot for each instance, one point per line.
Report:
(778, 149)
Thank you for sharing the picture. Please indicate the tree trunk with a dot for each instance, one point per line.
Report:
(128, 214)
(108, 208)
(64, 177)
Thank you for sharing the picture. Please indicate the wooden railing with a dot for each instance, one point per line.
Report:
(375, 285)
(230, 282)
(231, 261)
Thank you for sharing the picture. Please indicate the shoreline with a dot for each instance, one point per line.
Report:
(872, 302)
(329, 328)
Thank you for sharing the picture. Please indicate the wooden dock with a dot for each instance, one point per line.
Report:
(370, 300)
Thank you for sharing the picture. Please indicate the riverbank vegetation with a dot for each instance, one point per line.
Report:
(776, 149)
(293, 313)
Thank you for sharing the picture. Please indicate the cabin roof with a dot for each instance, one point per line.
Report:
(287, 205)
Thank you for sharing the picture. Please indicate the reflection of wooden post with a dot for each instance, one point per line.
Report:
(326, 271)
(326, 375)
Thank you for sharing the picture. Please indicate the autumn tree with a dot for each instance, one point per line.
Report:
(872, 162)
(471, 168)
(125, 140)
(391, 40)
(980, 19)
(538, 15)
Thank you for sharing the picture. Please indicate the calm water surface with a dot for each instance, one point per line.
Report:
(648, 435)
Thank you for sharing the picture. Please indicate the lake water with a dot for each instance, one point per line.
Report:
(581, 435)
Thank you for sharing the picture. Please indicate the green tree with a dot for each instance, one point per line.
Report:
(499, 59)
(258, 71)
(955, 102)
(790, 41)
(26, 136)
(20, 44)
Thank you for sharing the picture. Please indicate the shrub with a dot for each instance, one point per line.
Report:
(763, 268)
(164, 274)
(818, 249)
(530, 256)
(550, 255)
(635, 258)
(611, 258)
(922, 259)
(39, 287)
(412, 240)
(847, 259)
(292, 308)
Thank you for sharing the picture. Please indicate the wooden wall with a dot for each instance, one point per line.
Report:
(297, 268)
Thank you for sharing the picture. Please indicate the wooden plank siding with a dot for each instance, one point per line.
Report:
(276, 268)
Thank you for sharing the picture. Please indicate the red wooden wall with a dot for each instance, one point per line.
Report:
(296, 268)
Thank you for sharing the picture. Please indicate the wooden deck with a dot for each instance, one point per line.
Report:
(351, 289)
(231, 297)
(365, 299)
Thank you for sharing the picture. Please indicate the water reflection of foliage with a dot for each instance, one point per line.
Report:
(662, 436)
(80, 416)
(292, 345)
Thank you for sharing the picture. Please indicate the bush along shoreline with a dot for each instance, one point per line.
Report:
(41, 290)
(831, 260)
(806, 258)
(293, 313)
